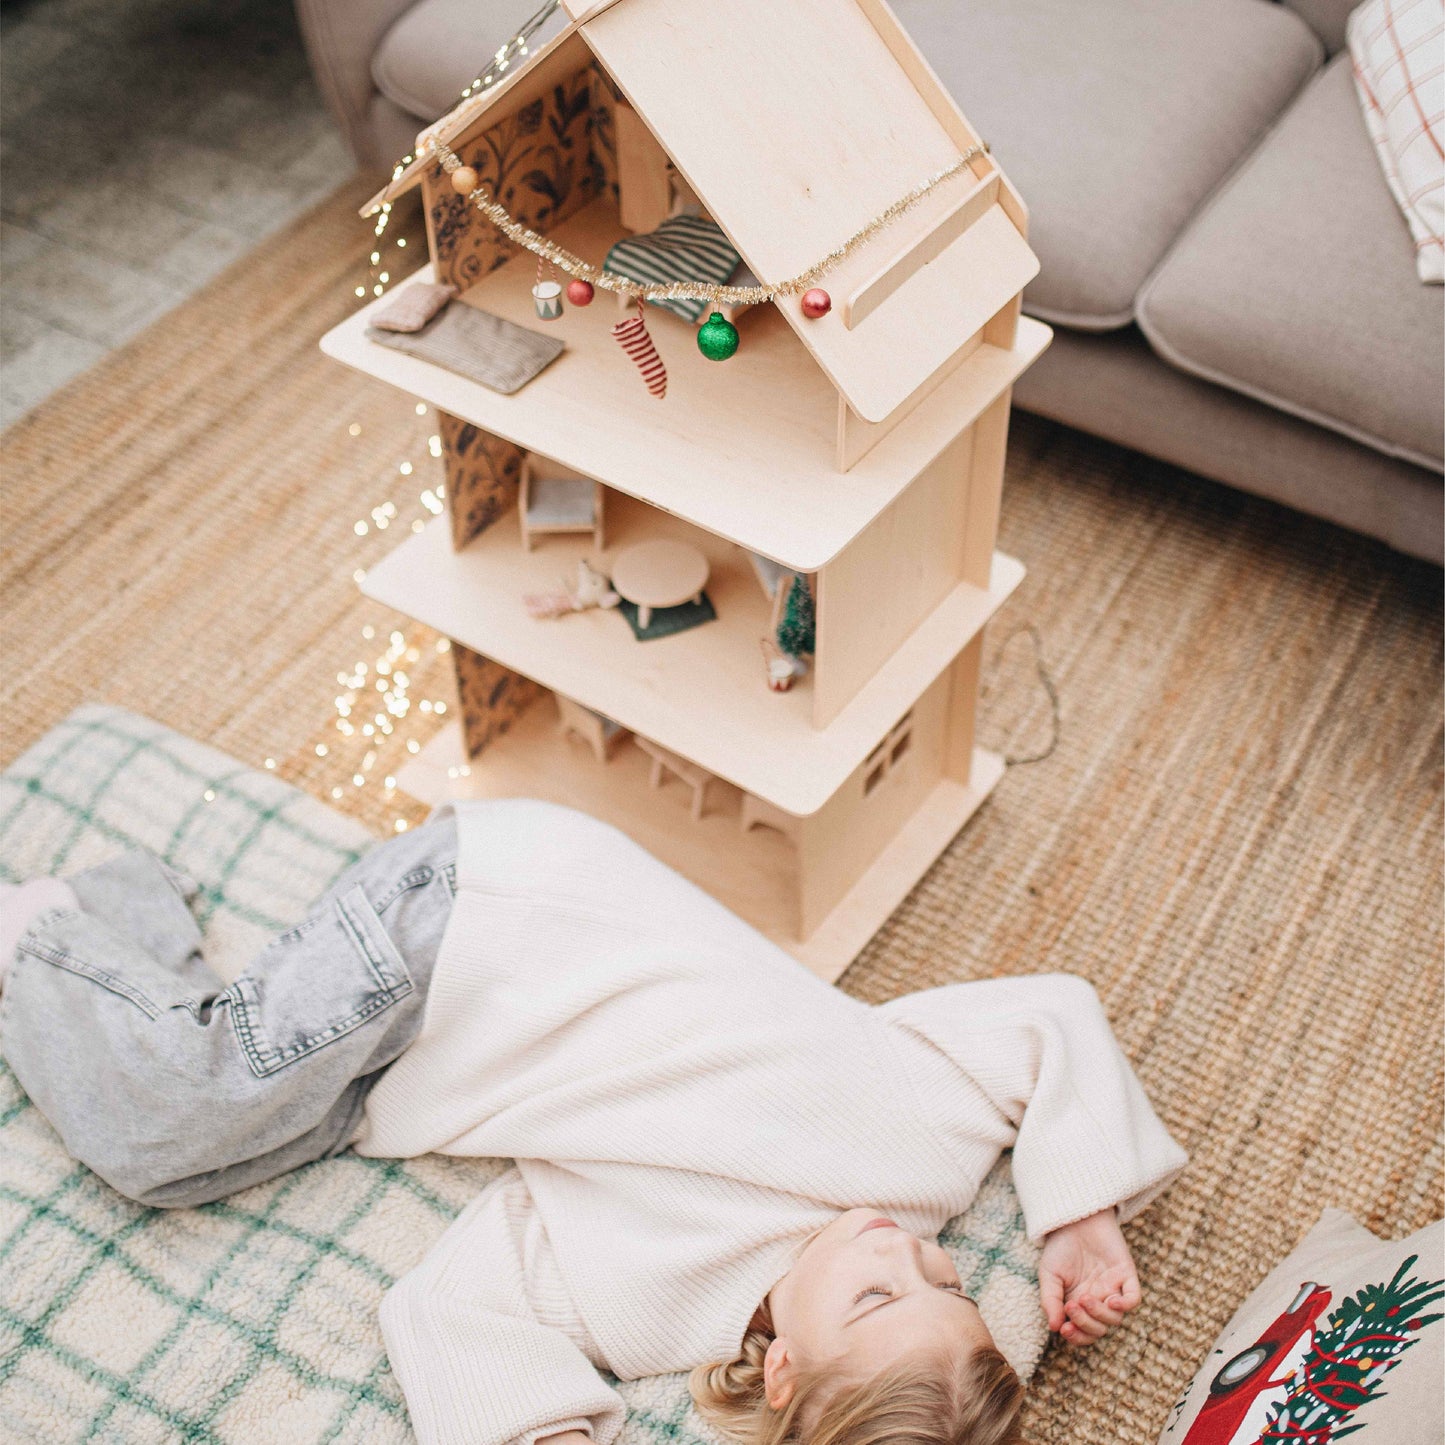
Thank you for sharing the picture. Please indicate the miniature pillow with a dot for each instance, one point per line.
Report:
(682, 248)
(413, 306)
(1395, 47)
(1344, 1338)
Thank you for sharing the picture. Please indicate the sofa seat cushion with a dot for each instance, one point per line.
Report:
(439, 46)
(1114, 119)
(1297, 286)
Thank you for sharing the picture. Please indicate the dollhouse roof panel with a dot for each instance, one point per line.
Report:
(796, 125)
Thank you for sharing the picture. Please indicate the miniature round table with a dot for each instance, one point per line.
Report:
(658, 574)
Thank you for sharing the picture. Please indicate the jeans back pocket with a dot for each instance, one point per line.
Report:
(318, 986)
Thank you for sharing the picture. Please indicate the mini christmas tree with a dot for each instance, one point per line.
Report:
(796, 630)
(1348, 1360)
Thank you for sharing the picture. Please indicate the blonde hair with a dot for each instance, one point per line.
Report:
(931, 1401)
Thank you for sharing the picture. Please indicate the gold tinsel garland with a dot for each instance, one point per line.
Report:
(576, 267)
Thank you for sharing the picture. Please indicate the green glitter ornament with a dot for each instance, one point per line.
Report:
(717, 338)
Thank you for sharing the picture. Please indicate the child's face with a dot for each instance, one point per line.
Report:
(865, 1294)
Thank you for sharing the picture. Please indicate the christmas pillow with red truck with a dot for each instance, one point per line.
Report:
(1344, 1339)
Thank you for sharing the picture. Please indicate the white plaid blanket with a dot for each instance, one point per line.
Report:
(254, 1320)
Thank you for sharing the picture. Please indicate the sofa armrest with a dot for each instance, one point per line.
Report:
(341, 37)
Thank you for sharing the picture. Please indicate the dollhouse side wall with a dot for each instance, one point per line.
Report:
(985, 490)
(839, 842)
(492, 697)
(940, 532)
(962, 680)
(483, 473)
(889, 578)
(857, 437)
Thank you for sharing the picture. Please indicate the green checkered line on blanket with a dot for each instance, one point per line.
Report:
(682, 248)
(254, 1320)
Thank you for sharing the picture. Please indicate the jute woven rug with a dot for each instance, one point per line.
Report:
(1237, 838)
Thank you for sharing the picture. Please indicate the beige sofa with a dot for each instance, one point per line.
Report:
(1232, 286)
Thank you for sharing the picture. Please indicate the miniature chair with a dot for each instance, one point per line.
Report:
(558, 503)
(759, 813)
(600, 733)
(695, 777)
(775, 580)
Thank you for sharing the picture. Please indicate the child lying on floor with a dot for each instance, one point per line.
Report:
(721, 1162)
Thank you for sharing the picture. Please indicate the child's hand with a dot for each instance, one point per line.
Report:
(1087, 1280)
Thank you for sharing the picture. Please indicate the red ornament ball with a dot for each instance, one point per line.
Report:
(816, 303)
(580, 292)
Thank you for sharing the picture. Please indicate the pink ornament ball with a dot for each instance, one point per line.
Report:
(580, 292)
(816, 303)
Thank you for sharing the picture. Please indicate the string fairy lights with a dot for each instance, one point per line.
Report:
(517, 48)
(385, 705)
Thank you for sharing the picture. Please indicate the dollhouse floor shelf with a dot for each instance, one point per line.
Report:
(743, 448)
(754, 873)
(701, 693)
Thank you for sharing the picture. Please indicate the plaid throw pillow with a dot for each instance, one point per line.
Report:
(1395, 46)
(682, 248)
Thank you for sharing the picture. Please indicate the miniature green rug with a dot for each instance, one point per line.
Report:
(668, 621)
(254, 1320)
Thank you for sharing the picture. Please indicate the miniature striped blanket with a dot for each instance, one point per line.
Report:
(682, 248)
(253, 1321)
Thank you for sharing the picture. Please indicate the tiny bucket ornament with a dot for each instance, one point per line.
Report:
(546, 295)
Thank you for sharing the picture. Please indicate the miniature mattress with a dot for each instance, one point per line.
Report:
(255, 1319)
(489, 349)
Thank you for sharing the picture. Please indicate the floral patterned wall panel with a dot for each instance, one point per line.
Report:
(483, 475)
(538, 162)
(492, 697)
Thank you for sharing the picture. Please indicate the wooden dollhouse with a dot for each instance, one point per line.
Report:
(862, 449)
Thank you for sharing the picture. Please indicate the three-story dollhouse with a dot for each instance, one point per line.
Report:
(860, 450)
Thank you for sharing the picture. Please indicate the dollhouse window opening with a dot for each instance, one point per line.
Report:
(889, 754)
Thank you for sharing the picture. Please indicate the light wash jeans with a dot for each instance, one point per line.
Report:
(177, 1090)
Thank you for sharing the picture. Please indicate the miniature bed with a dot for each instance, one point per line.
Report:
(255, 1319)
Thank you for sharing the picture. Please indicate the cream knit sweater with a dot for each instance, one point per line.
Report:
(686, 1105)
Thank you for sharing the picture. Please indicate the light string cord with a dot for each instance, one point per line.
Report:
(1052, 691)
(573, 265)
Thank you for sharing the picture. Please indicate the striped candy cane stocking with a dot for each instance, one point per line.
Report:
(631, 335)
